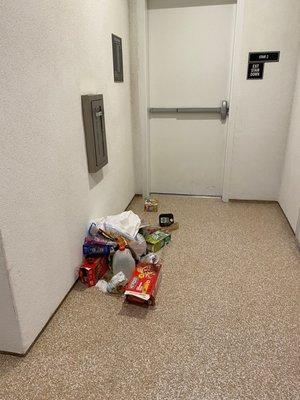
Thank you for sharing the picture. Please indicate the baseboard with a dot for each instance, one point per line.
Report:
(136, 195)
(297, 232)
(253, 201)
(186, 195)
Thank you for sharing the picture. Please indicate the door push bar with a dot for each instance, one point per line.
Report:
(223, 110)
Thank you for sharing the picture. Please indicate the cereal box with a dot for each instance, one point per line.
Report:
(143, 285)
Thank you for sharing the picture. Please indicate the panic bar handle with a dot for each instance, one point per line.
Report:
(223, 110)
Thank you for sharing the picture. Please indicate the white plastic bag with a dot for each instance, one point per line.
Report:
(126, 224)
(138, 246)
(102, 285)
(115, 285)
(152, 258)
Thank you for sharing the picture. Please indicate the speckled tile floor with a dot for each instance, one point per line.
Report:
(226, 325)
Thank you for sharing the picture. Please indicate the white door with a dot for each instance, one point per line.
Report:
(190, 53)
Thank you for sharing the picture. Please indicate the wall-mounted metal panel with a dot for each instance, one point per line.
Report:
(117, 58)
(95, 135)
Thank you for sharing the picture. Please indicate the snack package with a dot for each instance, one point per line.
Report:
(151, 204)
(95, 250)
(157, 240)
(99, 240)
(143, 285)
(148, 229)
(92, 269)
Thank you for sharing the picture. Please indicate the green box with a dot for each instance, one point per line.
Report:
(157, 240)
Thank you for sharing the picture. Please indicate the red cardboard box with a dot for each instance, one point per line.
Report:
(143, 285)
(92, 269)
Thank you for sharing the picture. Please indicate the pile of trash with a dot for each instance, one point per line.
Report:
(121, 256)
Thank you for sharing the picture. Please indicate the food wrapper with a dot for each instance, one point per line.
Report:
(143, 285)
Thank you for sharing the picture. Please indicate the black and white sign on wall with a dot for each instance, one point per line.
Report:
(257, 60)
(266, 56)
(255, 70)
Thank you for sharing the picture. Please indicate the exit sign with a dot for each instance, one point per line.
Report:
(255, 70)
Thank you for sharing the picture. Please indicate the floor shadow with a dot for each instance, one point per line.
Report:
(133, 311)
(79, 287)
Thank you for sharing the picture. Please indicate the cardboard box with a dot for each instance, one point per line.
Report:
(157, 240)
(143, 285)
(93, 269)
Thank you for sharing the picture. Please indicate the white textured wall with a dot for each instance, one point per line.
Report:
(135, 72)
(263, 107)
(289, 198)
(51, 53)
(139, 91)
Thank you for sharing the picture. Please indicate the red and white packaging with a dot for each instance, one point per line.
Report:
(143, 285)
(92, 269)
